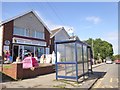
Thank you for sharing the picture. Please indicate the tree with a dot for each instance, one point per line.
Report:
(102, 49)
(115, 57)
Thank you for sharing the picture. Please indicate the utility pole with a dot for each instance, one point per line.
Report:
(93, 51)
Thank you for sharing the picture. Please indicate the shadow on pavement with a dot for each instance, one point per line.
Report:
(99, 74)
(94, 75)
(86, 77)
(6, 78)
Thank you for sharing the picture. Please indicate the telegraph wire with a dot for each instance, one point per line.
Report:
(55, 13)
(60, 19)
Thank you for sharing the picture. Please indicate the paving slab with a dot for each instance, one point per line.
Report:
(49, 81)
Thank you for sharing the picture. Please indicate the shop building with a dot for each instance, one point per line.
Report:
(24, 33)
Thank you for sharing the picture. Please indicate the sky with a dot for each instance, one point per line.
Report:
(86, 19)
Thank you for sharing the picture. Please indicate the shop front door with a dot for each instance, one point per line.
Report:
(15, 52)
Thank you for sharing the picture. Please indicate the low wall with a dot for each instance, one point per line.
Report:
(16, 71)
(42, 69)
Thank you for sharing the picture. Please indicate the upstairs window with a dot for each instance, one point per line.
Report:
(19, 31)
(28, 33)
(39, 35)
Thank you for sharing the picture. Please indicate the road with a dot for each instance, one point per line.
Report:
(109, 77)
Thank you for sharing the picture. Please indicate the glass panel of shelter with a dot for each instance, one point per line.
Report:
(67, 55)
(89, 57)
(85, 59)
(79, 59)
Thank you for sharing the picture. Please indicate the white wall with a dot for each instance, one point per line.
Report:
(61, 36)
(1, 39)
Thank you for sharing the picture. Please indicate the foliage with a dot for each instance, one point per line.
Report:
(7, 66)
(116, 57)
(102, 49)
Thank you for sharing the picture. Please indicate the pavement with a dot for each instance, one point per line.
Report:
(97, 65)
(49, 81)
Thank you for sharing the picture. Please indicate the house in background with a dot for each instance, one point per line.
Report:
(24, 33)
(59, 34)
(74, 38)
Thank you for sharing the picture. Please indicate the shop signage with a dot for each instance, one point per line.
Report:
(7, 42)
(29, 42)
(6, 48)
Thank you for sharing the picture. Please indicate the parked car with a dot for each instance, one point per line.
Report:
(117, 61)
(109, 61)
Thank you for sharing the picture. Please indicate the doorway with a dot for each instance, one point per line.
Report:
(15, 53)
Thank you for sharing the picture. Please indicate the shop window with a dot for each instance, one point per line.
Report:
(47, 50)
(39, 51)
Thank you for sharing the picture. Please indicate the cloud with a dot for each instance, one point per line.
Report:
(94, 19)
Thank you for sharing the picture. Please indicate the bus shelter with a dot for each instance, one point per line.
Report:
(73, 59)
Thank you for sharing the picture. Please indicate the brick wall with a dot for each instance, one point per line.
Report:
(52, 46)
(28, 73)
(8, 33)
(47, 37)
(16, 71)
(13, 70)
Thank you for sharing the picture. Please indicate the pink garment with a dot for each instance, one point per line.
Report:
(34, 62)
(29, 62)
(7, 55)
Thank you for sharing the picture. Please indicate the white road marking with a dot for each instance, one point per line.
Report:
(117, 80)
(98, 83)
(111, 79)
(111, 86)
(97, 86)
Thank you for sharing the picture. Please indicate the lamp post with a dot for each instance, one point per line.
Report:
(99, 57)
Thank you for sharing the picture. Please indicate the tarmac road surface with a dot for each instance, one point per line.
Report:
(110, 78)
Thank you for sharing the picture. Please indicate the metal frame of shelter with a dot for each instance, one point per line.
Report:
(82, 66)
